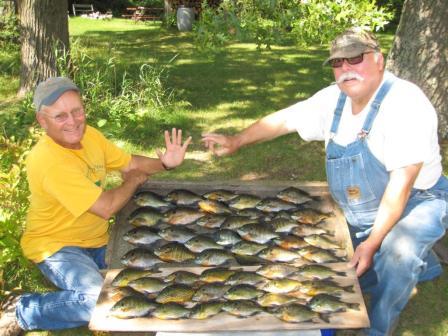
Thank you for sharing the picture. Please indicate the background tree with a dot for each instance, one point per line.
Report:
(420, 52)
(44, 35)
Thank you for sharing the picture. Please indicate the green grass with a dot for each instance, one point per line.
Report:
(226, 92)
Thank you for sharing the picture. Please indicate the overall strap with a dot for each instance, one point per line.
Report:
(375, 107)
(337, 114)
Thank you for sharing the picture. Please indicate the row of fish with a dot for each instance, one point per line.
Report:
(203, 230)
(270, 288)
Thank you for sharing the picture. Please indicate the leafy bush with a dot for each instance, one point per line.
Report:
(9, 28)
(18, 272)
(266, 22)
(117, 102)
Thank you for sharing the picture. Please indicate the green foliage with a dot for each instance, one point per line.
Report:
(9, 29)
(119, 103)
(17, 272)
(268, 22)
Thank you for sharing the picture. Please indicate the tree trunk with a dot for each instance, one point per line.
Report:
(167, 7)
(420, 52)
(44, 36)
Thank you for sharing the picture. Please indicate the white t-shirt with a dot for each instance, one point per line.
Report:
(404, 131)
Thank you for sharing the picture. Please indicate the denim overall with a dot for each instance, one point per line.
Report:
(357, 181)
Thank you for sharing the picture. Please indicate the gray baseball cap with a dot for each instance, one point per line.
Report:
(48, 91)
(351, 43)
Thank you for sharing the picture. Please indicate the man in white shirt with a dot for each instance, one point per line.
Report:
(383, 169)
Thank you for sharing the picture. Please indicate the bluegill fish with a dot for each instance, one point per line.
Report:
(141, 235)
(315, 287)
(174, 252)
(273, 299)
(182, 277)
(242, 308)
(257, 233)
(309, 216)
(244, 201)
(132, 306)
(317, 272)
(283, 225)
(200, 243)
(321, 241)
(214, 207)
(275, 253)
(140, 258)
(145, 216)
(306, 230)
(210, 291)
(177, 233)
(318, 255)
(128, 274)
(235, 222)
(117, 293)
(324, 303)
(243, 292)
(148, 285)
(295, 313)
(182, 215)
(226, 237)
(148, 198)
(177, 293)
(245, 277)
(220, 195)
(252, 213)
(281, 286)
(217, 274)
(274, 205)
(183, 197)
(247, 248)
(171, 311)
(214, 257)
(290, 242)
(206, 309)
(276, 271)
(295, 195)
(211, 221)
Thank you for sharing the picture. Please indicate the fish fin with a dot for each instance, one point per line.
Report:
(325, 317)
(354, 306)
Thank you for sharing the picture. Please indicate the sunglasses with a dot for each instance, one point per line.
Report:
(337, 62)
(63, 116)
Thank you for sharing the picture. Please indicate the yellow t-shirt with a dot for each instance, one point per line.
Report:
(64, 184)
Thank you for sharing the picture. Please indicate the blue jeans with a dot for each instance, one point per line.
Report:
(75, 271)
(405, 257)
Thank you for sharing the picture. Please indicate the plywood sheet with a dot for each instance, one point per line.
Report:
(117, 247)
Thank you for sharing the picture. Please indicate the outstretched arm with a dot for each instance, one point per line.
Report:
(391, 208)
(267, 128)
(136, 173)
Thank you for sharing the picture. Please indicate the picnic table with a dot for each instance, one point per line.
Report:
(143, 13)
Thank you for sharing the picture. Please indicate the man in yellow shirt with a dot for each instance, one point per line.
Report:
(67, 224)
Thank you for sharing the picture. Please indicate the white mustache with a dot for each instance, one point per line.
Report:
(349, 75)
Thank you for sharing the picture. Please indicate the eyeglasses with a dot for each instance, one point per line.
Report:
(337, 62)
(63, 116)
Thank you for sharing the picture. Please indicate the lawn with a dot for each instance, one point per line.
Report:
(225, 92)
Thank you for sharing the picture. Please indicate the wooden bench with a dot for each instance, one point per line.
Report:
(143, 13)
(82, 9)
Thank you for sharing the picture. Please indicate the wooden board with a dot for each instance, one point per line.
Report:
(117, 247)
(223, 321)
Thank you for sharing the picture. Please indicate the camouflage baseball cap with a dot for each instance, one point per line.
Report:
(351, 43)
(48, 91)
